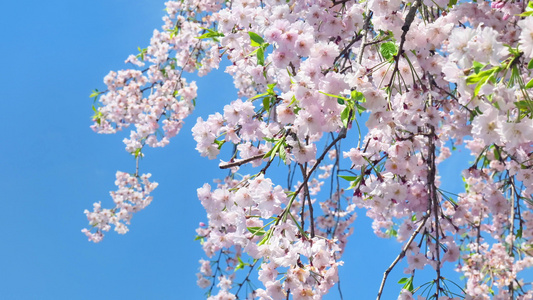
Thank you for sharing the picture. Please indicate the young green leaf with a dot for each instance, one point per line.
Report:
(360, 109)
(349, 178)
(388, 50)
(357, 96)
(94, 94)
(529, 84)
(266, 103)
(260, 57)
(283, 155)
(334, 96)
(256, 39)
(403, 280)
(256, 230)
(477, 66)
(346, 116)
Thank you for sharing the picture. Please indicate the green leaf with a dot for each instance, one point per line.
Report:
(346, 116)
(212, 34)
(142, 52)
(283, 155)
(480, 85)
(258, 96)
(340, 101)
(259, 231)
(200, 238)
(349, 178)
(219, 143)
(523, 105)
(357, 96)
(260, 57)
(403, 280)
(497, 154)
(238, 267)
(334, 96)
(266, 103)
(477, 66)
(388, 50)
(271, 87)
(409, 286)
(407, 283)
(97, 117)
(137, 152)
(275, 150)
(360, 109)
(241, 264)
(526, 14)
(529, 84)
(479, 77)
(94, 94)
(256, 39)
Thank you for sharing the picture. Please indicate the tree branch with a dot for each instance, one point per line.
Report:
(402, 254)
(240, 162)
(405, 28)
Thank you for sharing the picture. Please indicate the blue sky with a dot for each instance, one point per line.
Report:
(52, 167)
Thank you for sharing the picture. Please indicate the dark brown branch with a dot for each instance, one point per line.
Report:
(347, 48)
(433, 201)
(340, 136)
(240, 162)
(310, 205)
(369, 14)
(405, 28)
(402, 254)
(511, 230)
(252, 266)
(335, 3)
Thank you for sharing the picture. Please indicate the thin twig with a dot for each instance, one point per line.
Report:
(240, 162)
(340, 136)
(308, 197)
(405, 28)
(402, 254)
(511, 231)
(369, 14)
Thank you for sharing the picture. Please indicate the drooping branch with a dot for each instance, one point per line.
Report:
(364, 34)
(402, 253)
(307, 197)
(405, 28)
(433, 201)
(340, 136)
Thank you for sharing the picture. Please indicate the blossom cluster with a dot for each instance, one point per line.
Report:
(132, 195)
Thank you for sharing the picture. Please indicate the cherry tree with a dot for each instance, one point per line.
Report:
(422, 76)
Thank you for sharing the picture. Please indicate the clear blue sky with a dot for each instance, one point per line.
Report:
(52, 167)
